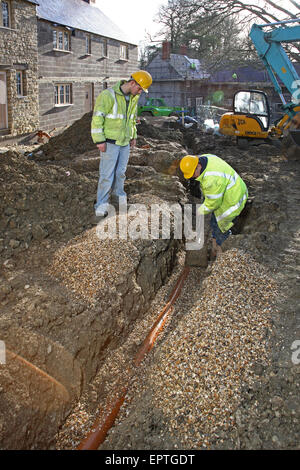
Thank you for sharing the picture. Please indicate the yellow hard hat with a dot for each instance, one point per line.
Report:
(188, 165)
(143, 78)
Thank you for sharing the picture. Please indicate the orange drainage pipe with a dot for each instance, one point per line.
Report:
(102, 424)
(41, 372)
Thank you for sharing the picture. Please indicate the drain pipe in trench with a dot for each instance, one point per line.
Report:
(102, 425)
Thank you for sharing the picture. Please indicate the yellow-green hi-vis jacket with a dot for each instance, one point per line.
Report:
(113, 117)
(224, 191)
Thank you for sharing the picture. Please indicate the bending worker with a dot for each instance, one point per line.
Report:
(113, 130)
(225, 193)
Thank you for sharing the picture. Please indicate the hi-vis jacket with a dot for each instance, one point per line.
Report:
(224, 191)
(114, 118)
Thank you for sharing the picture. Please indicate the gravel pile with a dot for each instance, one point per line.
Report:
(210, 351)
(86, 265)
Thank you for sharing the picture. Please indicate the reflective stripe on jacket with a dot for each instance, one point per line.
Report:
(114, 118)
(224, 191)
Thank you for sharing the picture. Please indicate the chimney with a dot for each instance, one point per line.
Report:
(166, 50)
(183, 50)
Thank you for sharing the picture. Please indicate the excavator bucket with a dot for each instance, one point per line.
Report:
(291, 139)
(291, 145)
(295, 135)
(294, 130)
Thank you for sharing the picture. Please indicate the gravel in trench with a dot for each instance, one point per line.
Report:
(186, 391)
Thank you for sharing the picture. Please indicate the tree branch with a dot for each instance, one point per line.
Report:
(280, 8)
(295, 4)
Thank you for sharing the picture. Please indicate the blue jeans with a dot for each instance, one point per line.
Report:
(112, 169)
(216, 232)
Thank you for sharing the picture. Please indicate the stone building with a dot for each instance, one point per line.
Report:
(80, 52)
(55, 58)
(19, 107)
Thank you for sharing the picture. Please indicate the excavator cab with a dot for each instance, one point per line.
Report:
(254, 104)
(250, 119)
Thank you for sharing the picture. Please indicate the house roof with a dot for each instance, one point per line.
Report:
(80, 15)
(176, 67)
(188, 68)
(245, 74)
(32, 1)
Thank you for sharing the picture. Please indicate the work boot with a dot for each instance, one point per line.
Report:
(102, 210)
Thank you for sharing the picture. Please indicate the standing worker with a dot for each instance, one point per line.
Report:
(225, 193)
(113, 130)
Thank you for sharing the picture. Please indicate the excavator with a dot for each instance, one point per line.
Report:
(250, 119)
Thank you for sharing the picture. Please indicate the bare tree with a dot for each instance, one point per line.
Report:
(213, 28)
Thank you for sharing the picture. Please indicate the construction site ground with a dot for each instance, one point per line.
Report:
(224, 371)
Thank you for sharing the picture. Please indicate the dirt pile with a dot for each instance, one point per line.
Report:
(70, 301)
(76, 139)
(41, 202)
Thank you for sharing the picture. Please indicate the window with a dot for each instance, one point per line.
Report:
(63, 94)
(20, 83)
(123, 52)
(251, 102)
(105, 48)
(61, 40)
(5, 14)
(88, 45)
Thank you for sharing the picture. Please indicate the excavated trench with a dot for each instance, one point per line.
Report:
(79, 314)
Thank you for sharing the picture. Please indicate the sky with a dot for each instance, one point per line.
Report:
(134, 17)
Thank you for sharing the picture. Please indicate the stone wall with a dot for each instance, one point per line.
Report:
(87, 73)
(18, 52)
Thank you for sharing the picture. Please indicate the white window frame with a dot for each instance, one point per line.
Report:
(124, 52)
(59, 37)
(8, 3)
(63, 94)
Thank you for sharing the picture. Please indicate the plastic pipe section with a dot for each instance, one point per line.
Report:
(102, 424)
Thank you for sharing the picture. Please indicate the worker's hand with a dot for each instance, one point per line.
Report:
(102, 147)
(133, 143)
